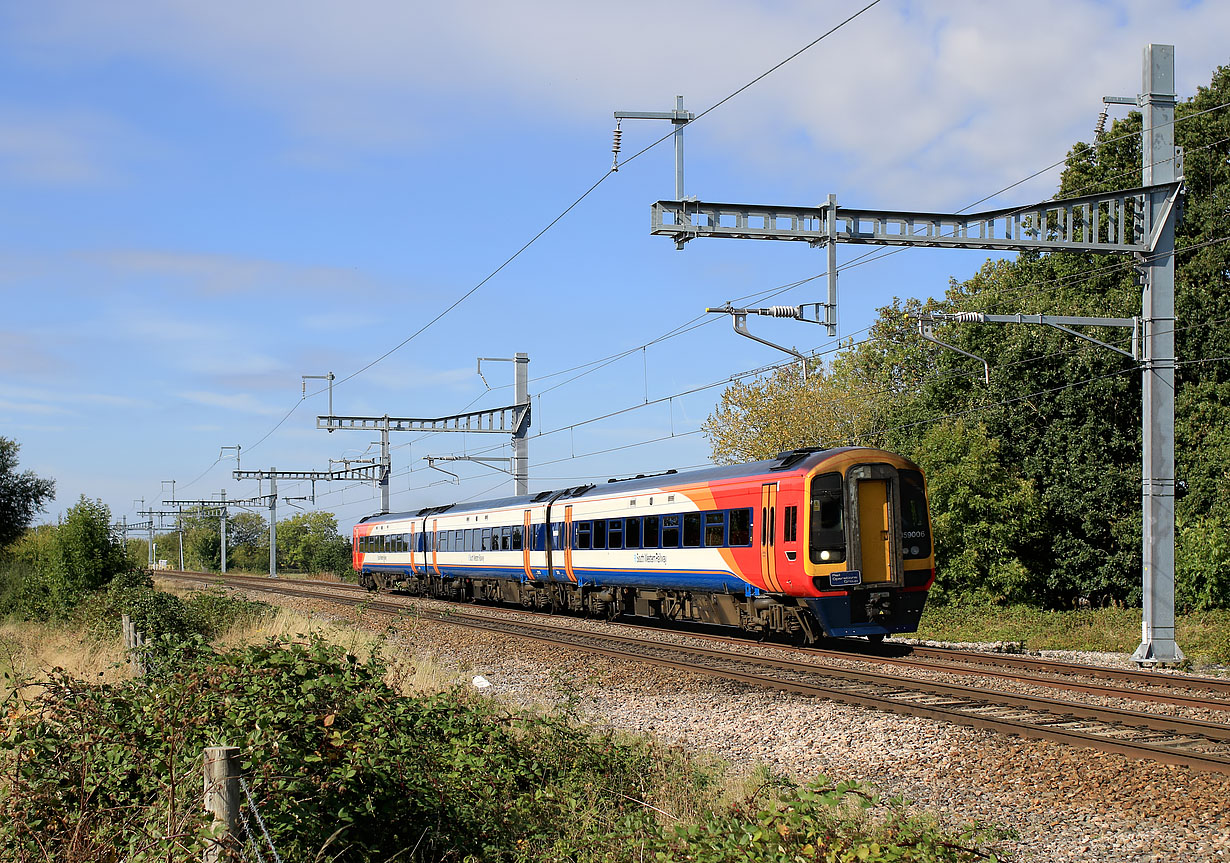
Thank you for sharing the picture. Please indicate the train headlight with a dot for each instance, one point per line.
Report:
(914, 550)
(826, 554)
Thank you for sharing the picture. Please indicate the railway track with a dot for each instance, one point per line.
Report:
(1193, 743)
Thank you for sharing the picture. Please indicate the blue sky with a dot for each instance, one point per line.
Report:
(204, 202)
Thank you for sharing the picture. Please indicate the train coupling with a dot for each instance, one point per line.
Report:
(879, 607)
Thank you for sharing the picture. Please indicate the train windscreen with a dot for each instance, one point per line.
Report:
(828, 532)
(915, 526)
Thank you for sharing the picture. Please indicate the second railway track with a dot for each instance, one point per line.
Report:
(1194, 743)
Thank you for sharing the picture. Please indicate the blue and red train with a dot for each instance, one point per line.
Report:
(812, 543)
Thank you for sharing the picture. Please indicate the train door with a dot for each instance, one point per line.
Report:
(566, 542)
(527, 543)
(873, 530)
(414, 570)
(877, 499)
(435, 563)
(768, 536)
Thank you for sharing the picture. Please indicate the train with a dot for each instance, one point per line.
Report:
(811, 544)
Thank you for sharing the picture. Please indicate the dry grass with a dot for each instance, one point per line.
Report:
(411, 669)
(29, 651)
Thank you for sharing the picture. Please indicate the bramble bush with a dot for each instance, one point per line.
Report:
(344, 768)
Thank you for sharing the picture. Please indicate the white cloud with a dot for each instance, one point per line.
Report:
(237, 402)
(222, 275)
(49, 150)
(938, 101)
(32, 407)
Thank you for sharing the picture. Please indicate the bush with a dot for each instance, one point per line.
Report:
(345, 769)
(59, 564)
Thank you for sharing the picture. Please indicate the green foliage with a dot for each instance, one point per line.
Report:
(1203, 636)
(59, 564)
(247, 538)
(22, 495)
(1202, 564)
(309, 542)
(819, 822)
(986, 515)
(90, 556)
(758, 419)
(343, 768)
(205, 613)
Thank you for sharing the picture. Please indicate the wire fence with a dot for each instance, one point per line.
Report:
(255, 840)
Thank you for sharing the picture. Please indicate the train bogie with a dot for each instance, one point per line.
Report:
(813, 543)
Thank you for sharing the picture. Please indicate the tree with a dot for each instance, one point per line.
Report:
(90, 554)
(985, 515)
(64, 561)
(22, 495)
(309, 542)
(247, 540)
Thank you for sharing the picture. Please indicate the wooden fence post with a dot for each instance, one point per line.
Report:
(222, 796)
(132, 641)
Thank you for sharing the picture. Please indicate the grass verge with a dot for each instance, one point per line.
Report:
(1203, 636)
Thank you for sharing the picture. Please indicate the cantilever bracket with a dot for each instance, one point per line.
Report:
(739, 320)
(1063, 323)
(431, 463)
(490, 462)
(926, 329)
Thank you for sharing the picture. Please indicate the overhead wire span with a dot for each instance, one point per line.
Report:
(693, 324)
(569, 209)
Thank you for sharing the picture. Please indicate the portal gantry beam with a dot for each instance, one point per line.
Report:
(1103, 222)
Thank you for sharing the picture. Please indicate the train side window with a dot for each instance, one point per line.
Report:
(599, 533)
(740, 527)
(790, 524)
(715, 529)
(670, 531)
(828, 534)
(615, 533)
(459, 540)
(632, 533)
(649, 536)
(691, 529)
(446, 537)
(506, 539)
(486, 539)
(583, 534)
(915, 526)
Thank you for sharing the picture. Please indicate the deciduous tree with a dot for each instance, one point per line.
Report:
(22, 495)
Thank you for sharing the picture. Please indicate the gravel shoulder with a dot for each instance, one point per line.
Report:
(1061, 803)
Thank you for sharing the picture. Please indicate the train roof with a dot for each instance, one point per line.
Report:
(791, 460)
